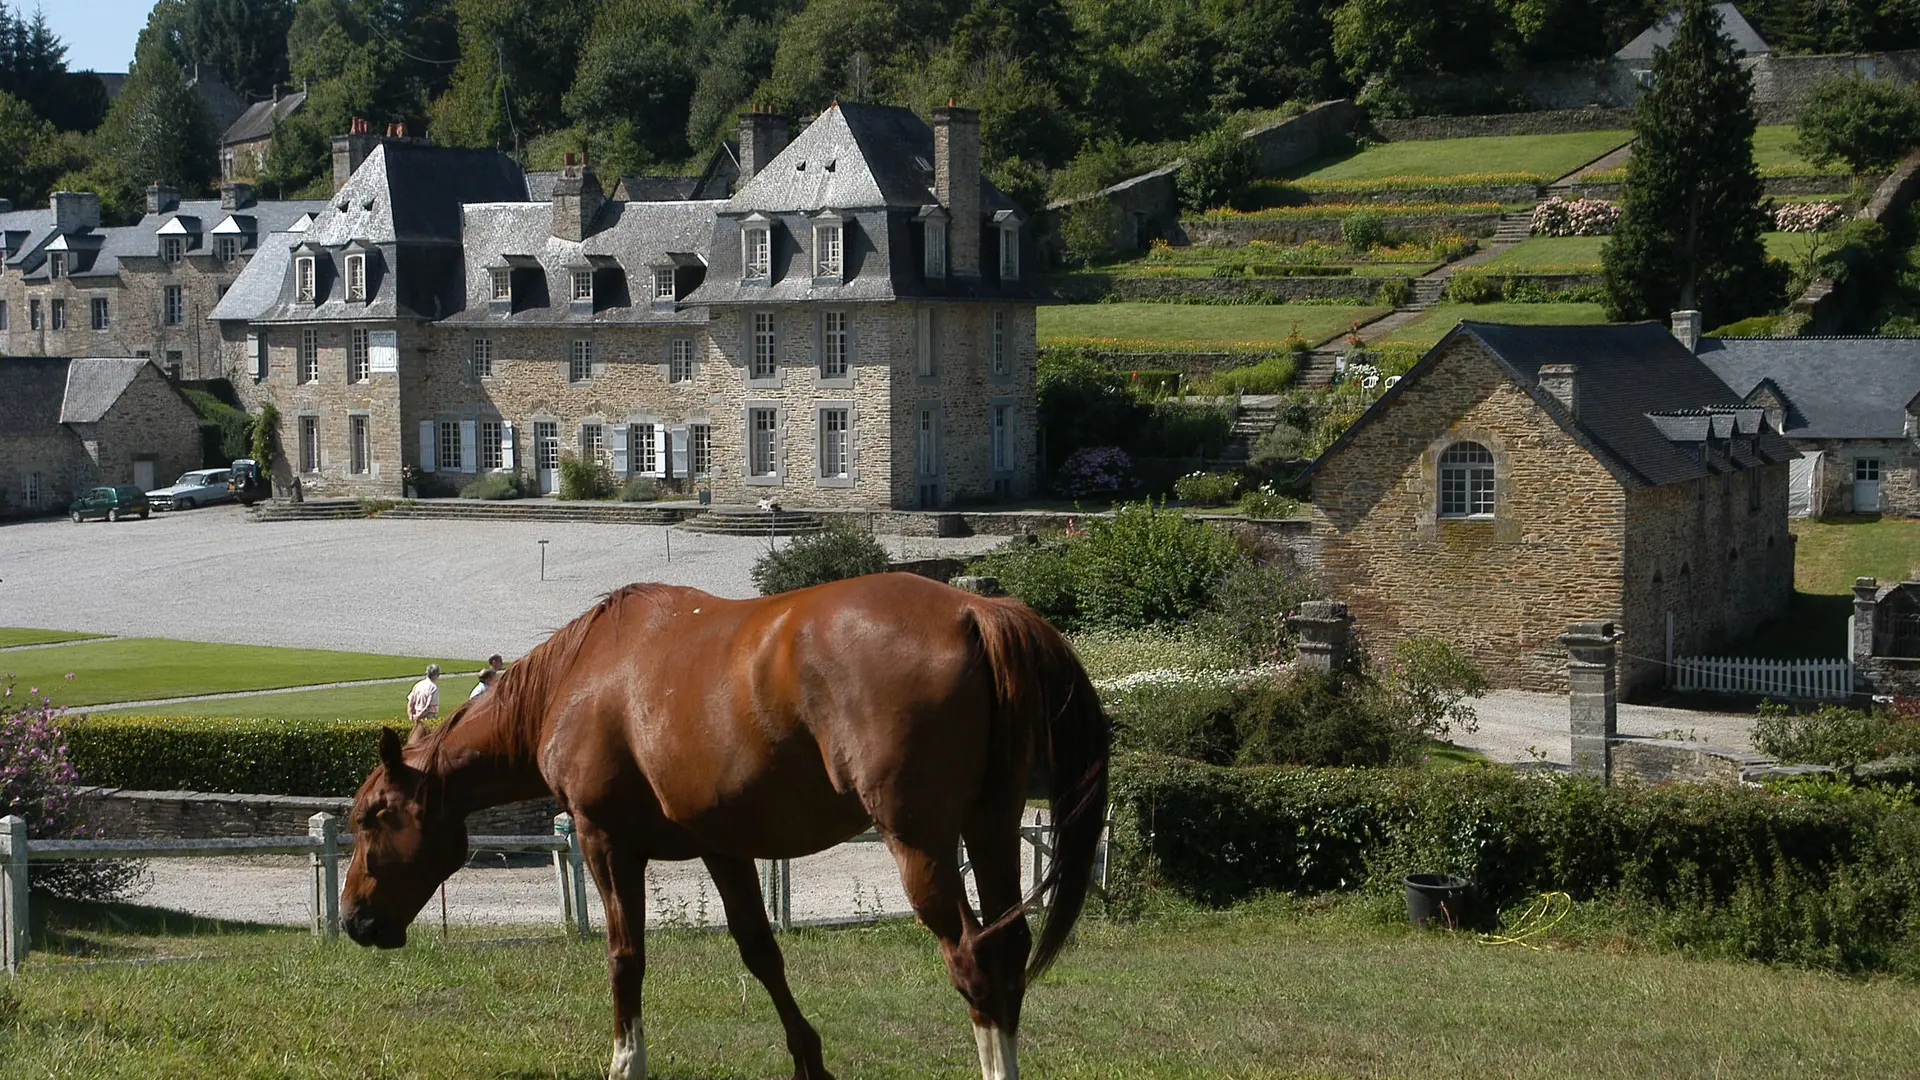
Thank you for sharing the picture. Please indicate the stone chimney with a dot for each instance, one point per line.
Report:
(1686, 327)
(162, 199)
(74, 210)
(235, 196)
(763, 134)
(358, 143)
(956, 183)
(1562, 381)
(577, 199)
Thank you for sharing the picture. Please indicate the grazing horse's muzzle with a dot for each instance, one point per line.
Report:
(368, 929)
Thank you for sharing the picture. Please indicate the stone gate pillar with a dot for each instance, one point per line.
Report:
(1860, 627)
(1592, 699)
(1325, 631)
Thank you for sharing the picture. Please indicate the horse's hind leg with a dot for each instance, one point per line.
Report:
(747, 920)
(977, 962)
(622, 878)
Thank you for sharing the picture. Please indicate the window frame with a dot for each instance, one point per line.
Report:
(357, 278)
(173, 305)
(99, 314)
(173, 250)
(226, 248)
(829, 250)
(1466, 482)
(1010, 254)
(488, 454)
(500, 278)
(1000, 438)
(580, 286)
(1866, 470)
(763, 360)
(307, 363)
(359, 356)
(56, 265)
(57, 313)
(448, 448)
(309, 445)
(666, 283)
(836, 345)
(763, 442)
(306, 279)
(998, 336)
(834, 444)
(359, 444)
(680, 360)
(756, 253)
(34, 318)
(699, 449)
(935, 264)
(480, 354)
(579, 361)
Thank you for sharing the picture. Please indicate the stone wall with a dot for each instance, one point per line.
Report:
(1231, 232)
(330, 400)
(1711, 555)
(1498, 193)
(1503, 587)
(159, 815)
(1286, 143)
(1543, 122)
(136, 314)
(1092, 288)
(151, 421)
(1666, 761)
(1833, 480)
(1835, 184)
(58, 460)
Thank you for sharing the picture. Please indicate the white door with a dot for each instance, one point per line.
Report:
(1866, 485)
(143, 475)
(546, 451)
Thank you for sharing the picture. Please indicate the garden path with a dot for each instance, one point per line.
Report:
(1514, 723)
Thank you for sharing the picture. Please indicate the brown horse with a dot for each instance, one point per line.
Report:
(676, 725)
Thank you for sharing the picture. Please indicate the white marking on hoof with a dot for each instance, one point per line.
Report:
(629, 1055)
(999, 1053)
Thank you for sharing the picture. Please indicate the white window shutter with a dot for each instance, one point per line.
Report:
(469, 447)
(426, 446)
(663, 444)
(679, 457)
(619, 441)
(506, 444)
(257, 355)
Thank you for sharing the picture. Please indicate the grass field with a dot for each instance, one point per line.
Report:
(1548, 156)
(1199, 326)
(1827, 556)
(12, 635)
(1282, 989)
(138, 669)
(1433, 323)
(1577, 254)
(1773, 152)
(381, 701)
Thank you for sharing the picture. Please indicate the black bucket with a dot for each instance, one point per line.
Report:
(1435, 899)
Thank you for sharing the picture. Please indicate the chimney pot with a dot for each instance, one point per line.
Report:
(1563, 382)
(1686, 328)
(577, 198)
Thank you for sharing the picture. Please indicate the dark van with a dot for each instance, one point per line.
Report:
(111, 503)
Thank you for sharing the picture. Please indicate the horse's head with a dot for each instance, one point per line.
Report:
(407, 841)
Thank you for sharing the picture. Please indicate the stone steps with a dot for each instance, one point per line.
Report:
(751, 521)
(1426, 292)
(1513, 228)
(311, 510)
(528, 510)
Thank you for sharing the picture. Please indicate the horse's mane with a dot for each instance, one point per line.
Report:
(520, 697)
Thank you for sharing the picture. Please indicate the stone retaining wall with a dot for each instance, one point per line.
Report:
(1500, 193)
(1665, 761)
(1232, 232)
(1295, 535)
(1830, 184)
(122, 814)
(1091, 288)
(1544, 122)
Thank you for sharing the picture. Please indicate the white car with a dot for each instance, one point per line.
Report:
(200, 487)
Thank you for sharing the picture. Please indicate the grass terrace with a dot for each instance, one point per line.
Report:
(1275, 192)
(1774, 153)
(1581, 254)
(1432, 324)
(140, 669)
(12, 637)
(1150, 327)
(1496, 159)
(1278, 988)
(380, 701)
(1828, 554)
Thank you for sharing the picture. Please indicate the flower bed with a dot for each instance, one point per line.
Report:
(1800, 217)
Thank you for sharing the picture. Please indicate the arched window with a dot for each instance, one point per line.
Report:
(1466, 481)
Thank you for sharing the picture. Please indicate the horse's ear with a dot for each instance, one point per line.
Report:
(391, 753)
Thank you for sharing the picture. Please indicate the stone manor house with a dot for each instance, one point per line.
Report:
(850, 323)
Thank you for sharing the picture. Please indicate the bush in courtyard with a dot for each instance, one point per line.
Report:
(640, 489)
(1146, 565)
(496, 486)
(1837, 735)
(211, 753)
(1096, 470)
(1177, 428)
(37, 778)
(1266, 504)
(1206, 488)
(1437, 682)
(585, 479)
(1311, 718)
(836, 552)
(1272, 375)
(1039, 570)
(1867, 123)
(1247, 615)
(1185, 714)
(1363, 230)
(264, 435)
(1090, 230)
(1280, 446)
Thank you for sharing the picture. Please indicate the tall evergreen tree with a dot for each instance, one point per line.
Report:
(157, 130)
(246, 39)
(1690, 223)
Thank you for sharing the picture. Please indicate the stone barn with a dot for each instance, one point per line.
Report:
(1520, 478)
(67, 424)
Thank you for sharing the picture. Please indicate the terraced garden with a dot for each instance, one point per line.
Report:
(1310, 258)
(1432, 324)
(1511, 158)
(1150, 327)
(1581, 254)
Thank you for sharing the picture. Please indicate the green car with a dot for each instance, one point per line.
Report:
(112, 503)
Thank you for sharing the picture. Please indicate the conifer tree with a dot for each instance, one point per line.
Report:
(1690, 224)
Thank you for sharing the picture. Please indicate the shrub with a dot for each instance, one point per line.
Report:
(1206, 489)
(1868, 123)
(1096, 470)
(1363, 231)
(1470, 288)
(1090, 230)
(1146, 565)
(1757, 326)
(1220, 165)
(1437, 681)
(640, 489)
(203, 753)
(1311, 718)
(1247, 615)
(1264, 503)
(1557, 216)
(1040, 571)
(497, 486)
(1185, 714)
(1283, 445)
(1175, 428)
(37, 777)
(1272, 375)
(836, 552)
(264, 434)
(1837, 735)
(226, 434)
(1082, 403)
(1394, 292)
(585, 479)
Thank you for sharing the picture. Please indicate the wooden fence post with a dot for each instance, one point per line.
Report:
(582, 925)
(562, 869)
(325, 906)
(13, 892)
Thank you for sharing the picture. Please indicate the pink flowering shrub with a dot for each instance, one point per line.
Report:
(1096, 470)
(1806, 216)
(37, 780)
(1574, 217)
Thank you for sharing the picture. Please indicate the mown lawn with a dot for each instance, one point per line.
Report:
(1433, 323)
(1580, 254)
(14, 635)
(1197, 326)
(1827, 556)
(381, 701)
(1773, 150)
(138, 669)
(1284, 989)
(1548, 156)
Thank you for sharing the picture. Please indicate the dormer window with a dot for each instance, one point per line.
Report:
(827, 259)
(356, 277)
(756, 253)
(582, 287)
(665, 287)
(936, 249)
(304, 275)
(173, 249)
(226, 248)
(502, 283)
(57, 265)
(1010, 254)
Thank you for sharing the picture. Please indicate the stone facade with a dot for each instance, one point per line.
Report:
(1833, 478)
(45, 462)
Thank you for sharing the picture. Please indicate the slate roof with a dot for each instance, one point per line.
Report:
(656, 188)
(35, 387)
(1746, 40)
(1645, 404)
(1834, 388)
(94, 383)
(199, 218)
(257, 122)
(854, 156)
(256, 292)
(412, 192)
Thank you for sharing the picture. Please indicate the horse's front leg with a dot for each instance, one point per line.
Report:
(621, 874)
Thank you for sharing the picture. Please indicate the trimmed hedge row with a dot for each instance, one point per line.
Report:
(201, 753)
(1830, 879)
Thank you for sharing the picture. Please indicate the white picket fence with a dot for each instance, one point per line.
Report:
(1772, 678)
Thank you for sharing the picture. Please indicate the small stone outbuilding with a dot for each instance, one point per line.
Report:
(1521, 478)
(67, 424)
(1884, 635)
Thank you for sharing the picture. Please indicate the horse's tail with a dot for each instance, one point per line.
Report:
(1041, 688)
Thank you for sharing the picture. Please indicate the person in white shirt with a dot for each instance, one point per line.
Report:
(486, 680)
(423, 703)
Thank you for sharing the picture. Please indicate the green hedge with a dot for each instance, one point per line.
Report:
(202, 753)
(1830, 879)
